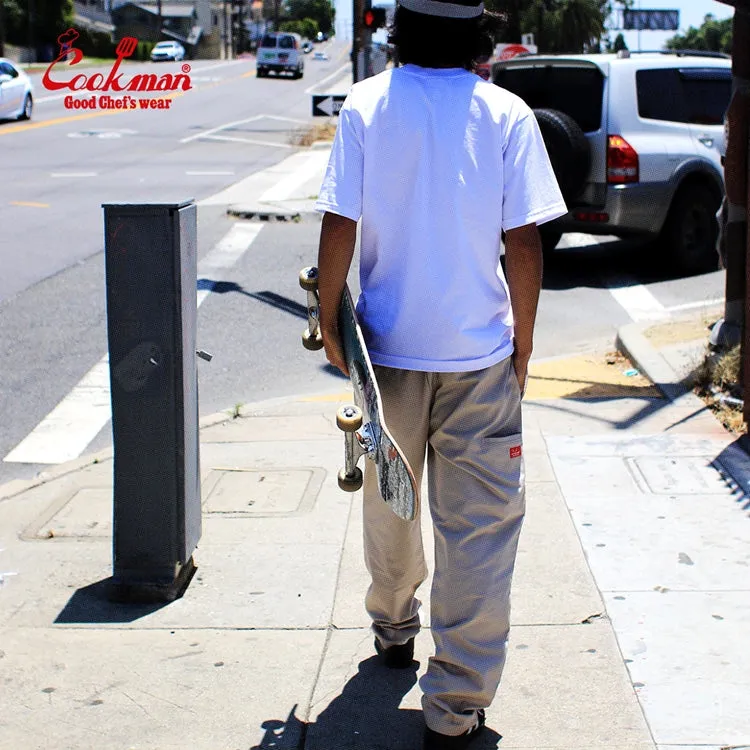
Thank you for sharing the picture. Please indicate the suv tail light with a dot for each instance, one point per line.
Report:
(622, 161)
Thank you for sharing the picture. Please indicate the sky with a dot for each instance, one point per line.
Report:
(692, 13)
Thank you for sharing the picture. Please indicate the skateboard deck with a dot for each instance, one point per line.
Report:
(363, 423)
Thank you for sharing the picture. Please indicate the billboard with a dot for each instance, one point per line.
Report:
(651, 20)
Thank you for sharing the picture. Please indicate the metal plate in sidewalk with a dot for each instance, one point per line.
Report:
(261, 492)
(85, 513)
(680, 475)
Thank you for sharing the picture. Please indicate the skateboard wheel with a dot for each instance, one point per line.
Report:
(350, 483)
(349, 418)
(308, 278)
(310, 342)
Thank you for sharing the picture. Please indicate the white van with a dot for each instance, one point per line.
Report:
(280, 52)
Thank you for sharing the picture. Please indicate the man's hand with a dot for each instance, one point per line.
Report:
(334, 349)
(521, 367)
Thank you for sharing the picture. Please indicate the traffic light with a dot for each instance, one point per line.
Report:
(374, 18)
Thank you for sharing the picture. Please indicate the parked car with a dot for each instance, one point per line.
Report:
(280, 52)
(16, 92)
(168, 51)
(635, 142)
(307, 46)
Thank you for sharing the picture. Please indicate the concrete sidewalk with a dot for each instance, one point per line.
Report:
(631, 597)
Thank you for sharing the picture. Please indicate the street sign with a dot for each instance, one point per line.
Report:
(651, 20)
(327, 105)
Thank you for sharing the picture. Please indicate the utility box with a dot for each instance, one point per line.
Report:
(151, 272)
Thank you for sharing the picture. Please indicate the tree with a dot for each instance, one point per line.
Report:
(580, 25)
(15, 24)
(307, 28)
(619, 43)
(320, 11)
(558, 25)
(712, 36)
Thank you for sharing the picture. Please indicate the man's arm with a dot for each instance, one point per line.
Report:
(523, 270)
(338, 236)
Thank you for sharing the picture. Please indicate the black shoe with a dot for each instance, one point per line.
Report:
(436, 741)
(396, 657)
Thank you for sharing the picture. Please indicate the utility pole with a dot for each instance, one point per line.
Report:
(2, 30)
(366, 44)
(736, 241)
(159, 21)
(31, 10)
(358, 7)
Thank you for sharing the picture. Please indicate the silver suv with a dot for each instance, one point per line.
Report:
(635, 141)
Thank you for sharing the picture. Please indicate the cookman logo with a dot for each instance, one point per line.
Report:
(113, 81)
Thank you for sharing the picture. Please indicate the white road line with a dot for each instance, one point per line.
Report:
(66, 431)
(253, 141)
(73, 174)
(336, 75)
(220, 128)
(637, 301)
(696, 305)
(283, 189)
(208, 174)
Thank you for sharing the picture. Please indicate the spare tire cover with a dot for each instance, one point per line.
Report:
(568, 150)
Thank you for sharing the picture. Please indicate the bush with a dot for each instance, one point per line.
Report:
(95, 43)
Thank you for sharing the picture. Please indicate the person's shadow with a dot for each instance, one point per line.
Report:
(365, 716)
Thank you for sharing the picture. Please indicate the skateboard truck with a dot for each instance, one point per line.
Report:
(312, 338)
(359, 440)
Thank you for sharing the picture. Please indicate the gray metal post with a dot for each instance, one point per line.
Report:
(151, 270)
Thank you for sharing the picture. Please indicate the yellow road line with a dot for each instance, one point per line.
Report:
(30, 204)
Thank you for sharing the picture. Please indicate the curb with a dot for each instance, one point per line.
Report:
(18, 486)
(631, 342)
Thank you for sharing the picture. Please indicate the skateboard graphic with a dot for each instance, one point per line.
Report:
(365, 431)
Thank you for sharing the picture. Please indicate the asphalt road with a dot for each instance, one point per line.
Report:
(57, 171)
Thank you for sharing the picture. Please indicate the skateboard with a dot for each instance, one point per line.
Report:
(363, 424)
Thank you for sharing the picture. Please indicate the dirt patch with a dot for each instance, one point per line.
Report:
(323, 131)
(679, 331)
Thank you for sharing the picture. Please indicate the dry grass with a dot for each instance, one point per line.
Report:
(719, 375)
(323, 131)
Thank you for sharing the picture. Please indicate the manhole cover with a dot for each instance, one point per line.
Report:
(257, 492)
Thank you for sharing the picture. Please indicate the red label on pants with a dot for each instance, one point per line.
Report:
(515, 451)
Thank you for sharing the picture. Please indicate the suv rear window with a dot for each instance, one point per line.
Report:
(286, 42)
(268, 41)
(576, 91)
(699, 96)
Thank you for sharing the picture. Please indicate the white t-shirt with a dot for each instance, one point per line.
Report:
(436, 162)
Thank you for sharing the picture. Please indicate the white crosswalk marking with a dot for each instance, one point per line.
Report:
(66, 431)
(637, 301)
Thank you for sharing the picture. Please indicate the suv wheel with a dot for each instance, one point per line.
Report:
(568, 150)
(691, 229)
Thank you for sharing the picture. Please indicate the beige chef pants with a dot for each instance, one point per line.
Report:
(469, 425)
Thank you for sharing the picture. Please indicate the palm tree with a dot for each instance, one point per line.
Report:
(580, 25)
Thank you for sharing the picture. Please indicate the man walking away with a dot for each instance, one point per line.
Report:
(437, 164)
